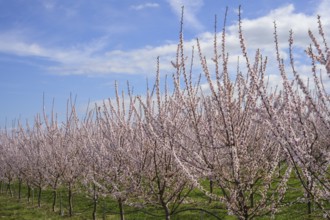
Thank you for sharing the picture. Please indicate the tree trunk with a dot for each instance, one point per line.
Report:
(166, 210)
(39, 196)
(61, 210)
(279, 169)
(252, 200)
(309, 198)
(29, 192)
(55, 193)
(309, 207)
(103, 210)
(245, 216)
(121, 209)
(9, 189)
(19, 189)
(167, 214)
(211, 189)
(54, 199)
(70, 201)
(32, 196)
(95, 200)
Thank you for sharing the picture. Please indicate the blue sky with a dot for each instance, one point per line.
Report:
(81, 47)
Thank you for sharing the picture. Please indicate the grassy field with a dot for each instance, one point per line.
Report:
(12, 208)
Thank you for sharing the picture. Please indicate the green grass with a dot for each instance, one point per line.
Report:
(11, 208)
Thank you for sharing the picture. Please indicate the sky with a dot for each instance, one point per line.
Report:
(56, 48)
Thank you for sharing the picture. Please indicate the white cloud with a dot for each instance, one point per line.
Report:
(144, 6)
(12, 42)
(93, 59)
(191, 8)
(259, 32)
(323, 10)
(48, 4)
(117, 61)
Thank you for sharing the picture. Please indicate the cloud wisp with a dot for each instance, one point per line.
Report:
(191, 8)
(144, 6)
